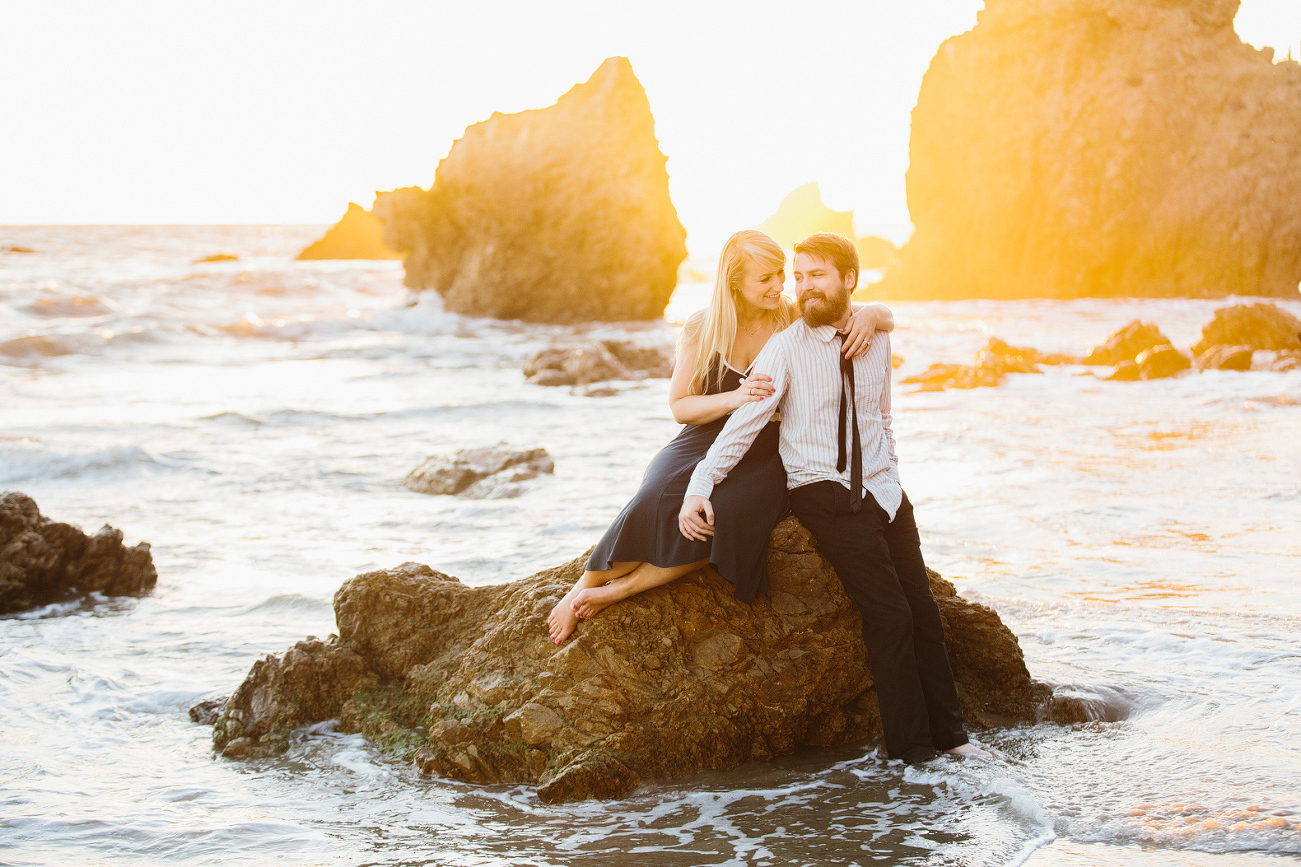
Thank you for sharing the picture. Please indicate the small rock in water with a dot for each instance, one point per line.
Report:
(489, 473)
(597, 361)
(207, 711)
(1127, 371)
(15, 248)
(217, 257)
(1224, 357)
(1161, 362)
(1126, 344)
(1258, 326)
(43, 561)
(997, 359)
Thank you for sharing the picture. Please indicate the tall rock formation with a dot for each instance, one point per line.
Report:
(560, 214)
(801, 214)
(357, 235)
(1071, 148)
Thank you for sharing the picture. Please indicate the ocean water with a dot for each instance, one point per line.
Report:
(253, 420)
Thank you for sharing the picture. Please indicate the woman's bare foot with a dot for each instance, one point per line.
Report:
(970, 751)
(562, 620)
(588, 603)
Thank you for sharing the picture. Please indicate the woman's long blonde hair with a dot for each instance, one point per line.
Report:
(714, 334)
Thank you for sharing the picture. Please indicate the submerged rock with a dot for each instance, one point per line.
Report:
(681, 678)
(1221, 357)
(1160, 362)
(489, 473)
(1127, 343)
(44, 561)
(1259, 326)
(997, 359)
(559, 214)
(217, 257)
(598, 361)
(1099, 148)
(357, 235)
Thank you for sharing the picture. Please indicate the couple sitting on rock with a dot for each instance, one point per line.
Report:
(712, 496)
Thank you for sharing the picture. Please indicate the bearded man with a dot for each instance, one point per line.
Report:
(843, 476)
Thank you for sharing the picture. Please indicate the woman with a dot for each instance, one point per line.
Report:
(643, 547)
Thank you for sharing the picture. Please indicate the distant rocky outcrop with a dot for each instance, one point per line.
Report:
(1157, 362)
(994, 362)
(802, 213)
(1071, 148)
(1226, 357)
(357, 235)
(598, 361)
(682, 678)
(559, 214)
(490, 473)
(44, 561)
(1126, 344)
(1259, 326)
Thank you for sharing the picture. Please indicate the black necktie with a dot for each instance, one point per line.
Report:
(856, 465)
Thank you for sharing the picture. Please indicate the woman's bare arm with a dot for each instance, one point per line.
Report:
(691, 408)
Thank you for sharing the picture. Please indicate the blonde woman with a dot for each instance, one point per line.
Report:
(643, 547)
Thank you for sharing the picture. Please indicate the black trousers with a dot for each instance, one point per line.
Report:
(879, 562)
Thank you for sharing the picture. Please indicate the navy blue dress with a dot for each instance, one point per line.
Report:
(747, 505)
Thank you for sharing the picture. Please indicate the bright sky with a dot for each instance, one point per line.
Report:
(141, 111)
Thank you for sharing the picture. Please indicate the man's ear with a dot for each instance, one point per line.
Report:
(851, 280)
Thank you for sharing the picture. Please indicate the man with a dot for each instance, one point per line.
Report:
(843, 477)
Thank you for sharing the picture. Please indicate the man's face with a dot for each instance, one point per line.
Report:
(823, 295)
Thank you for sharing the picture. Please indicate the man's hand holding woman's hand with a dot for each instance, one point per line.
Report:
(696, 520)
(756, 386)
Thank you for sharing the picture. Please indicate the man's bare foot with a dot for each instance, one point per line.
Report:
(588, 603)
(970, 751)
(562, 620)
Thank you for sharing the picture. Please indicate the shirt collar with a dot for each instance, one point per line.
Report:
(825, 333)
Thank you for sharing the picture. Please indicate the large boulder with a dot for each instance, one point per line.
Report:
(559, 214)
(1259, 326)
(44, 561)
(1073, 148)
(466, 681)
(357, 235)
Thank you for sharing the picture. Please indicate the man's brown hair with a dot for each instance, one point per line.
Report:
(833, 248)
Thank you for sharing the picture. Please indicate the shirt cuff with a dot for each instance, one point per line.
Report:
(699, 488)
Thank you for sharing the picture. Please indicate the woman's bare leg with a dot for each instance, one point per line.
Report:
(590, 600)
(562, 619)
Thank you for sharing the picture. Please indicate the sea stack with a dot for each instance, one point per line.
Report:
(1082, 148)
(560, 214)
(356, 236)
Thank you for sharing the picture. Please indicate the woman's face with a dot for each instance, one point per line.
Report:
(761, 287)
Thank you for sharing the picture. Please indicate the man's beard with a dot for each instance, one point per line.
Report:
(821, 310)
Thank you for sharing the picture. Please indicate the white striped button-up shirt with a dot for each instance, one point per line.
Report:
(804, 364)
